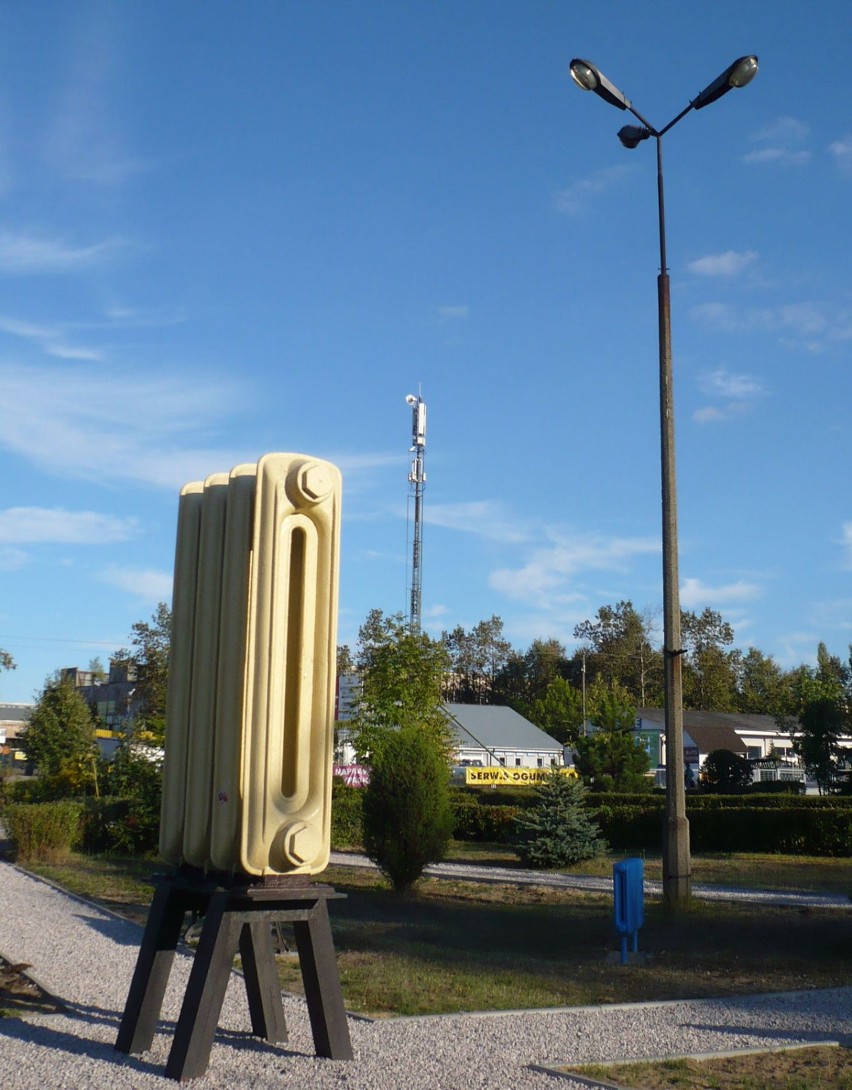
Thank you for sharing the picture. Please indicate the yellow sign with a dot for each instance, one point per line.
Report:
(518, 777)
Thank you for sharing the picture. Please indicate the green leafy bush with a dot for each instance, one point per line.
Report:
(44, 832)
(347, 827)
(558, 830)
(408, 817)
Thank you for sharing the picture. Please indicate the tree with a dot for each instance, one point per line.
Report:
(60, 733)
(560, 711)
(725, 771)
(402, 732)
(401, 675)
(557, 830)
(823, 714)
(710, 671)
(620, 651)
(150, 662)
(407, 811)
(6, 661)
(612, 757)
(763, 688)
(524, 679)
(475, 660)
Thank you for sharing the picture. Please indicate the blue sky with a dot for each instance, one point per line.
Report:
(228, 229)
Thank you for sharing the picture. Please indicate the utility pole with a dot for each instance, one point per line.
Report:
(417, 481)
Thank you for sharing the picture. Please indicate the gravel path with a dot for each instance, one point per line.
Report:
(589, 884)
(86, 956)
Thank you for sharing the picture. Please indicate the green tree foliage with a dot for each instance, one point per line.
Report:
(557, 830)
(401, 676)
(476, 659)
(134, 777)
(150, 664)
(620, 652)
(59, 737)
(763, 688)
(823, 710)
(407, 812)
(560, 711)
(611, 757)
(724, 771)
(403, 734)
(6, 660)
(710, 671)
(525, 678)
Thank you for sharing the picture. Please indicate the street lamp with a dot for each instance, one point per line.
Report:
(677, 877)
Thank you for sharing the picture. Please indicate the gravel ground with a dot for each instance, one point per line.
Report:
(86, 956)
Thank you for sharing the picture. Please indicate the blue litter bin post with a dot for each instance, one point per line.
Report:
(628, 886)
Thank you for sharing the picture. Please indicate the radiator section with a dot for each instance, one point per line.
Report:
(249, 723)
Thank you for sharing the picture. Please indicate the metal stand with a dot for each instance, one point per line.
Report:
(238, 915)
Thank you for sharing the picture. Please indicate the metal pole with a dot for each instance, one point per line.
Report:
(677, 877)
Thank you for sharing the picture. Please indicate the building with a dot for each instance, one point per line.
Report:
(751, 736)
(112, 697)
(494, 735)
(13, 719)
(487, 735)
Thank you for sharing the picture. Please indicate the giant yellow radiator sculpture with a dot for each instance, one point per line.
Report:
(246, 813)
(247, 777)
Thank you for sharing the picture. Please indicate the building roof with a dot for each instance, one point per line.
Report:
(15, 713)
(741, 723)
(493, 726)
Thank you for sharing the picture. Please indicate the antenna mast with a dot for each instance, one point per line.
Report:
(417, 480)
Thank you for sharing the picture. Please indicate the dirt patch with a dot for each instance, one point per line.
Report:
(21, 995)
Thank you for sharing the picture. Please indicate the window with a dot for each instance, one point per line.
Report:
(540, 762)
(517, 762)
(755, 752)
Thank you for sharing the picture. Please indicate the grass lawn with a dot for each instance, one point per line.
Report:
(456, 946)
(790, 1069)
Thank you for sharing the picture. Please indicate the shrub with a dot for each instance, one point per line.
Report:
(558, 830)
(407, 814)
(347, 828)
(44, 832)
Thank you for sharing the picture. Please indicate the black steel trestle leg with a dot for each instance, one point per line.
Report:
(237, 918)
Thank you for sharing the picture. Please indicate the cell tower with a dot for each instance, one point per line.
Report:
(417, 481)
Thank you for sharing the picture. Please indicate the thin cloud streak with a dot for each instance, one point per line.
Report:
(23, 254)
(56, 525)
(695, 594)
(546, 575)
(729, 263)
(145, 583)
(575, 197)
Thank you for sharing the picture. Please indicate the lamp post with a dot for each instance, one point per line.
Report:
(677, 877)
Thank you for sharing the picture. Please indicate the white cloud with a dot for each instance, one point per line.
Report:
(147, 584)
(726, 384)
(727, 264)
(809, 325)
(484, 518)
(141, 427)
(779, 143)
(575, 197)
(545, 576)
(782, 156)
(455, 313)
(735, 391)
(12, 559)
(22, 253)
(842, 151)
(697, 595)
(30, 525)
(846, 543)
